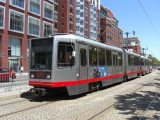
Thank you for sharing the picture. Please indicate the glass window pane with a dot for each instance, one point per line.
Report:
(129, 60)
(120, 60)
(101, 54)
(33, 26)
(1, 17)
(92, 56)
(16, 21)
(65, 54)
(109, 57)
(83, 57)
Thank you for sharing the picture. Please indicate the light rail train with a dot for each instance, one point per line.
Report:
(74, 64)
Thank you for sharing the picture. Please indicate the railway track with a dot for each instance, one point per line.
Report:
(70, 111)
(112, 105)
(24, 110)
(147, 108)
(99, 113)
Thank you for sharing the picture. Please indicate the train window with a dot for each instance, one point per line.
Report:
(116, 62)
(65, 54)
(136, 60)
(41, 54)
(109, 57)
(83, 57)
(132, 60)
(129, 60)
(92, 56)
(120, 58)
(142, 62)
(114, 59)
(101, 53)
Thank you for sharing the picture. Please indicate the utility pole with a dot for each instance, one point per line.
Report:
(144, 51)
(127, 33)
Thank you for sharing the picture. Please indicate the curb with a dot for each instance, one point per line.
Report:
(21, 74)
(21, 95)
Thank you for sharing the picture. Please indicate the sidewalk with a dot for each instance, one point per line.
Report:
(17, 87)
(13, 90)
(21, 73)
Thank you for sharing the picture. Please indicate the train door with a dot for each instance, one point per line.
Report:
(83, 68)
(115, 65)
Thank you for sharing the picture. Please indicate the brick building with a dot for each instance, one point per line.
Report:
(110, 32)
(21, 20)
(132, 44)
(80, 17)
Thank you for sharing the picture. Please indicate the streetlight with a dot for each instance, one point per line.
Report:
(144, 51)
(127, 33)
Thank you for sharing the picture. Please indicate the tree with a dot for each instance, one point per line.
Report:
(154, 60)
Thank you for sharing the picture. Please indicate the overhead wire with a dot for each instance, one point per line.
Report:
(149, 19)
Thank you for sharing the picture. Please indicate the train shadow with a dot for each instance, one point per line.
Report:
(56, 97)
(63, 96)
(131, 103)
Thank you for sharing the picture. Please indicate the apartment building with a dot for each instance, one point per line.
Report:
(132, 44)
(79, 17)
(21, 20)
(111, 34)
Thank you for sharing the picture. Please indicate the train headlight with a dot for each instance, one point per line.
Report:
(48, 76)
(32, 75)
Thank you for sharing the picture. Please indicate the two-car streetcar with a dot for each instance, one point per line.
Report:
(78, 65)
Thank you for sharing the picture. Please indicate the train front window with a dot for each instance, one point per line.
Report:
(65, 57)
(41, 54)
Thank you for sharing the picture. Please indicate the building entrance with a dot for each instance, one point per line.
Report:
(14, 64)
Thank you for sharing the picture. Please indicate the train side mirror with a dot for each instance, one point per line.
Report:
(74, 54)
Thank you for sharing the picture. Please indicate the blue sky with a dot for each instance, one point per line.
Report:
(132, 17)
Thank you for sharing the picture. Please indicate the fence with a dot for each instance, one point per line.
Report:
(5, 77)
(10, 85)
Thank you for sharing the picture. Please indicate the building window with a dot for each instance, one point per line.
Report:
(81, 30)
(62, 6)
(34, 26)
(77, 28)
(34, 6)
(77, 12)
(1, 17)
(81, 14)
(71, 26)
(81, 22)
(55, 25)
(16, 21)
(56, 8)
(47, 29)
(71, 10)
(2, 0)
(55, 16)
(71, 2)
(18, 3)
(14, 47)
(56, 1)
(77, 20)
(48, 10)
(62, 15)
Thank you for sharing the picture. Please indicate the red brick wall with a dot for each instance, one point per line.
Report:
(64, 22)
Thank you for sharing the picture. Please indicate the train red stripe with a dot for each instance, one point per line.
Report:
(71, 83)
